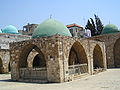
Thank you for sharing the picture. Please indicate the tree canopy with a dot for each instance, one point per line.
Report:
(95, 27)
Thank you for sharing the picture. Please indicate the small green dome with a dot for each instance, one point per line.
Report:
(10, 29)
(0, 31)
(50, 27)
(109, 29)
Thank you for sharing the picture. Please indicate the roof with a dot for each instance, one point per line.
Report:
(110, 28)
(50, 27)
(73, 25)
(10, 29)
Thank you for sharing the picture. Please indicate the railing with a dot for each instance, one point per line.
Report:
(78, 69)
(33, 73)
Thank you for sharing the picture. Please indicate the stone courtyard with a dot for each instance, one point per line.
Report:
(108, 80)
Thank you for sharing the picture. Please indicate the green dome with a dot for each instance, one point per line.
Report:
(0, 31)
(109, 29)
(10, 29)
(50, 27)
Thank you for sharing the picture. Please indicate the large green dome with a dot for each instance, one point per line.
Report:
(10, 29)
(50, 27)
(109, 29)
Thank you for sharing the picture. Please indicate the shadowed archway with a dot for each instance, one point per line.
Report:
(116, 53)
(38, 61)
(25, 53)
(36, 71)
(78, 63)
(77, 54)
(1, 66)
(97, 57)
(9, 67)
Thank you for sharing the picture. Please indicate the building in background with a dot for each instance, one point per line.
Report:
(76, 30)
(28, 29)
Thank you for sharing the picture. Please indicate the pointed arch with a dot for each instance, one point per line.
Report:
(78, 63)
(116, 51)
(28, 56)
(23, 63)
(77, 54)
(98, 57)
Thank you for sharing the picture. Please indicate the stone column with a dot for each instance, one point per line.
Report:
(54, 63)
(90, 58)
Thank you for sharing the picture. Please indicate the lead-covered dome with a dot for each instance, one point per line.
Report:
(50, 27)
(109, 29)
(10, 29)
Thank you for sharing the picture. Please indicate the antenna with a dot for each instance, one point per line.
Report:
(109, 21)
(50, 16)
(84, 20)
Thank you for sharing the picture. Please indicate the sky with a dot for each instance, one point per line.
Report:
(21, 12)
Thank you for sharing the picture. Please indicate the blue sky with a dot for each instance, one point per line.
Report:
(21, 12)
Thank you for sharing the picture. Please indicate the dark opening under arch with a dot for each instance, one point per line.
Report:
(97, 57)
(9, 67)
(78, 63)
(38, 61)
(116, 53)
(1, 66)
(77, 54)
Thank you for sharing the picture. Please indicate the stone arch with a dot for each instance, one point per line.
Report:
(98, 57)
(116, 51)
(77, 54)
(1, 66)
(24, 56)
(78, 63)
(31, 57)
(30, 73)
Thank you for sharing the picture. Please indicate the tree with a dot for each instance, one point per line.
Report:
(90, 27)
(99, 25)
(95, 27)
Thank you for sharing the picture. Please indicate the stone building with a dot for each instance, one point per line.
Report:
(8, 34)
(28, 29)
(111, 37)
(53, 55)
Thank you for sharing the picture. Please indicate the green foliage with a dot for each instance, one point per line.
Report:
(99, 25)
(95, 27)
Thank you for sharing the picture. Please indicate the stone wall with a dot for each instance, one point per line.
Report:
(88, 45)
(5, 60)
(109, 40)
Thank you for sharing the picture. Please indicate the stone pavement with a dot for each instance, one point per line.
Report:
(108, 80)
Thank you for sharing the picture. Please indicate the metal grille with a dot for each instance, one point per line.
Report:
(78, 69)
